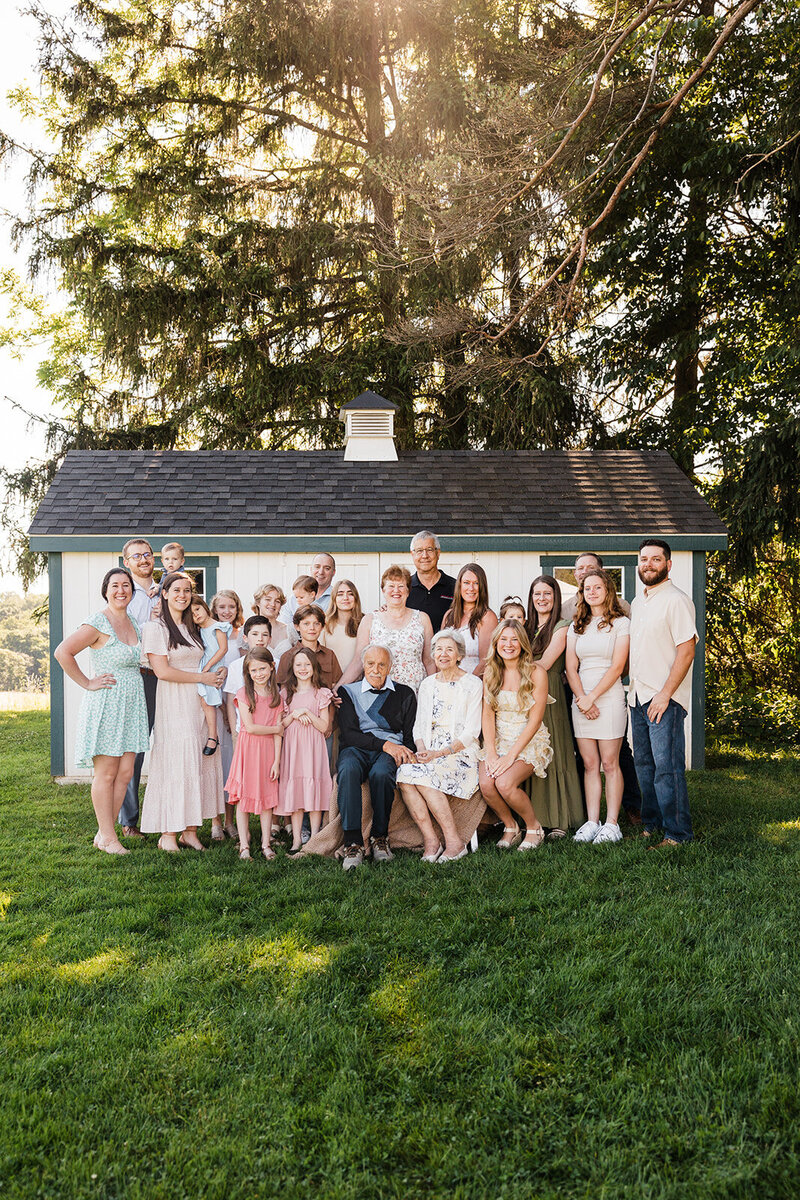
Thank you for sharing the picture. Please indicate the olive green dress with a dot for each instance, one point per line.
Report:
(557, 799)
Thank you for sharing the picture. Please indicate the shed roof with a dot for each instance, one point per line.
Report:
(369, 401)
(454, 492)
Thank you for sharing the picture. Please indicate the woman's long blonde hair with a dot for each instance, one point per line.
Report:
(495, 672)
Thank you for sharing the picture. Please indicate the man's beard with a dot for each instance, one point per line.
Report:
(660, 576)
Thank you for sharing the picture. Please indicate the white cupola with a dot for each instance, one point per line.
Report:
(369, 429)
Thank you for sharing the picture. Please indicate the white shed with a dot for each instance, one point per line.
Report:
(252, 517)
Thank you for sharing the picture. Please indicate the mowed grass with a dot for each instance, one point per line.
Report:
(577, 1022)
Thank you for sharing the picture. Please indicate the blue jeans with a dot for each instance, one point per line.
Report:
(354, 767)
(660, 754)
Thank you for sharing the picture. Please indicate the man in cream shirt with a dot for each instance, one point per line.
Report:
(663, 640)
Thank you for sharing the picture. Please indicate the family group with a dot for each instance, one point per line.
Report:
(433, 693)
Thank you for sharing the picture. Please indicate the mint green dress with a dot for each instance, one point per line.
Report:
(113, 720)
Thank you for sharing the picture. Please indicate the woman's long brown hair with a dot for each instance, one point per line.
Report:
(455, 613)
(354, 620)
(174, 636)
(260, 654)
(611, 607)
(542, 637)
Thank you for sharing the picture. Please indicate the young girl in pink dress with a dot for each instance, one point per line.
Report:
(305, 783)
(252, 783)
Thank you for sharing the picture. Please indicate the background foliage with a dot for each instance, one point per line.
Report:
(24, 643)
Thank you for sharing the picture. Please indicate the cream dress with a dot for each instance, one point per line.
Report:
(184, 787)
(509, 723)
(595, 651)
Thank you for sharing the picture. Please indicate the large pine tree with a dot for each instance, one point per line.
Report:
(224, 212)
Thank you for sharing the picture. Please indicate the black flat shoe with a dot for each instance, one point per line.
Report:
(209, 750)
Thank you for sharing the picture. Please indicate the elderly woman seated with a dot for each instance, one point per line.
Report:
(446, 732)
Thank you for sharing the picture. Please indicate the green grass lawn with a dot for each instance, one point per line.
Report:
(578, 1022)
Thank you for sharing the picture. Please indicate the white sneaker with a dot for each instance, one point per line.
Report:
(588, 831)
(608, 833)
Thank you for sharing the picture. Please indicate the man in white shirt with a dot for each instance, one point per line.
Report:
(323, 568)
(138, 557)
(663, 640)
(631, 796)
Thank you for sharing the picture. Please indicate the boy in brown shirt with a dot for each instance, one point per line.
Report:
(309, 622)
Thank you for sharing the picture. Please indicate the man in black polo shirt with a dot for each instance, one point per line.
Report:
(432, 591)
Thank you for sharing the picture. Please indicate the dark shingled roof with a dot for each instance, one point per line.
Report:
(491, 492)
(368, 402)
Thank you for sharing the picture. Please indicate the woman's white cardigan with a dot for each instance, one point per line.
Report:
(465, 720)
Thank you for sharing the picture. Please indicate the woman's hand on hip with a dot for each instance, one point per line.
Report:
(101, 681)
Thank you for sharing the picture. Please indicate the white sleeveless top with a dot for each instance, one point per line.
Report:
(472, 657)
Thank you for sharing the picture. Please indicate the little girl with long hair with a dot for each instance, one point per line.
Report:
(252, 783)
(215, 643)
(305, 782)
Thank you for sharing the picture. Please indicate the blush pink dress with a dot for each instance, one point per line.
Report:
(305, 783)
(249, 782)
(184, 786)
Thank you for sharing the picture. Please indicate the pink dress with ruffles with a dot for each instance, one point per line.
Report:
(305, 782)
(249, 782)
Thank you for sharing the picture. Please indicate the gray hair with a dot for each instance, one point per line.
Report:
(377, 646)
(456, 637)
(423, 536)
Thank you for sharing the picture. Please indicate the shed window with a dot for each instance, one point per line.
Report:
(566, 577)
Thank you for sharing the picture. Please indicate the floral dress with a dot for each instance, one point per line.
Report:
(113, 720)
(454, 774)
(405, 646)
(509, 722)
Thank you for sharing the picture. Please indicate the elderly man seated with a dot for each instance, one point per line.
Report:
(376, 735)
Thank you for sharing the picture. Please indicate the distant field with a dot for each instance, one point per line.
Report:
(23, 701)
